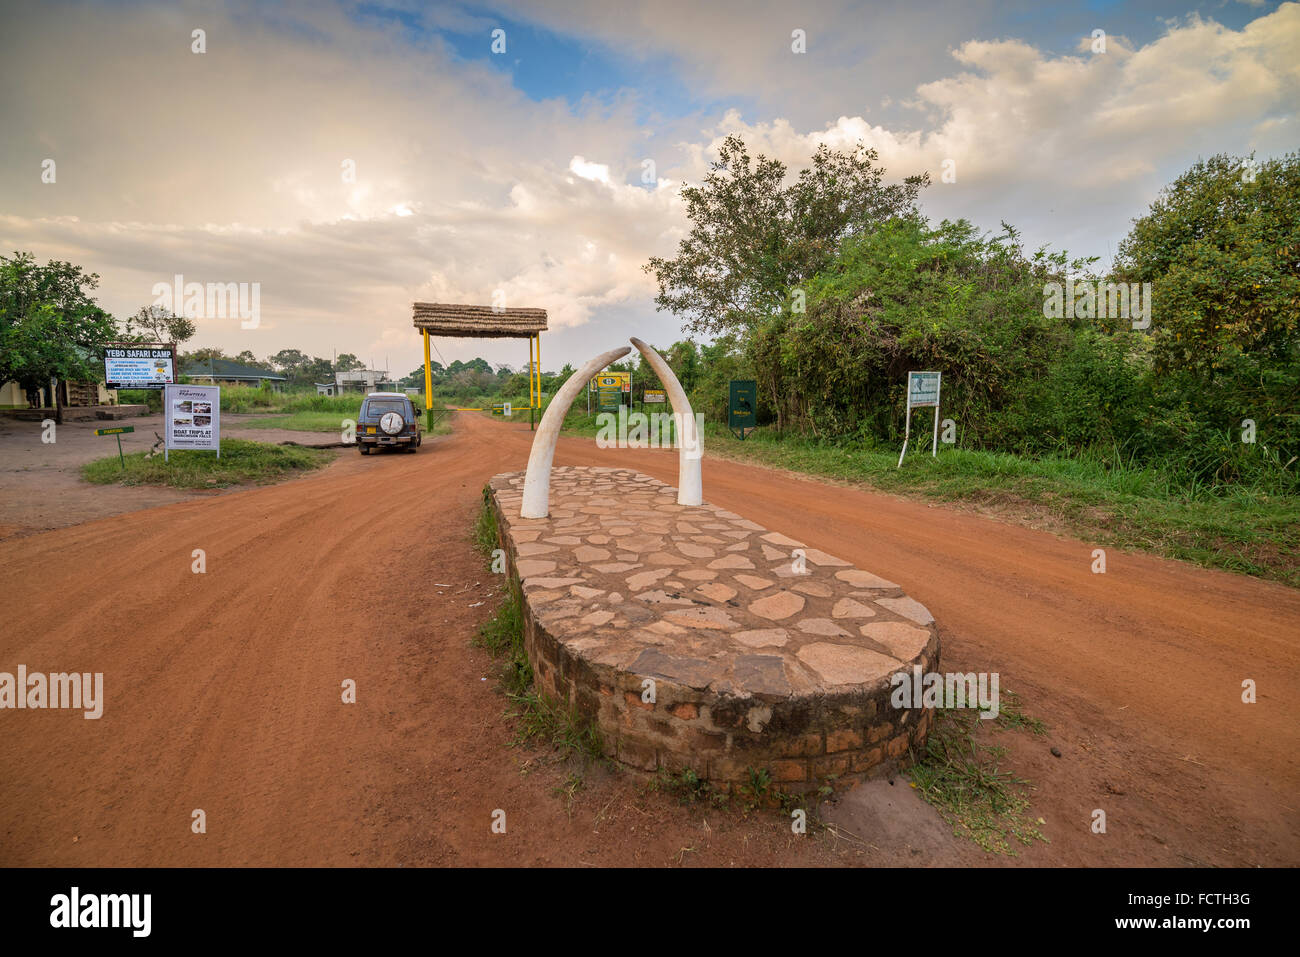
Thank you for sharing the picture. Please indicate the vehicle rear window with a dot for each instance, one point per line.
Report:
(378, 407)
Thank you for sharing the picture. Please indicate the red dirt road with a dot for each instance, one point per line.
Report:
(223, 688)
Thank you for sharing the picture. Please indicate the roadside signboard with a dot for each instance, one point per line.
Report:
(612, 380)
(654, 396)
(119, 432)
(128, 366)
(922, 391)
(610, 388)
(192, 415)
(742, 406)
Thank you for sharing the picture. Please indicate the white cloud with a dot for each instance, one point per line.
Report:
(228, 166)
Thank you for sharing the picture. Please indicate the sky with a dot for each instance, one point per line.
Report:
(351, 158)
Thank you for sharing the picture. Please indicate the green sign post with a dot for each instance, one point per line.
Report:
(742, 407)
(119, 431)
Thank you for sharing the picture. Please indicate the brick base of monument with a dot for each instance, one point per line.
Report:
(694, 638)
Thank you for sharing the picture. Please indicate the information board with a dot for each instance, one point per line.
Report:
(620, 381)
(139, 367)
(192, 417)
(742, 406)
(923, 389)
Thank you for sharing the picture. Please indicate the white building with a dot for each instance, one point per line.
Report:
(362, 380)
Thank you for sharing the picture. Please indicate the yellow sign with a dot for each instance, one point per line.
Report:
(612, 380)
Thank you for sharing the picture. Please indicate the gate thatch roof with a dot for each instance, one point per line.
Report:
(450, 319)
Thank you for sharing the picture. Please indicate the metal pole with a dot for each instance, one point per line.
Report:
(428, 386)
(119, 453)
(538, 337)
(907, 431)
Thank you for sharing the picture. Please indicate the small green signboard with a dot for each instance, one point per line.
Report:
(742, 407)
(119, 431)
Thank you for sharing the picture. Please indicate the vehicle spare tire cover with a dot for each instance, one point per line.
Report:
(391, 423)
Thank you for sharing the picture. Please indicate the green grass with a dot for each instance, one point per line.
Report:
(1095, 497)
(241, 462)
(539, 721)
(311, 421)
(961, 778)
(299, 422)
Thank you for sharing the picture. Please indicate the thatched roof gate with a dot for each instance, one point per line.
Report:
(482, 322)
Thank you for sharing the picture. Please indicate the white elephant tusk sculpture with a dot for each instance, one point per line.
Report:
(690, 479)
(537, 480)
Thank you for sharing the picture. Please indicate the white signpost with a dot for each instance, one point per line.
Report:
(193, 418)
(922, 390)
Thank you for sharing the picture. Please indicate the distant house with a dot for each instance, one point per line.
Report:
(363, 380)
(229, 372)
(326, 388)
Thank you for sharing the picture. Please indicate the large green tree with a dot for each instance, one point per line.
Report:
(50, 325)
(1221, 249)
(156, 324)
(756, 236)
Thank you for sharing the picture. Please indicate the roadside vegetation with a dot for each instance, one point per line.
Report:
(959, 774)
(540, 723)
(240, 463)
(1099, 497)
(1173, 429)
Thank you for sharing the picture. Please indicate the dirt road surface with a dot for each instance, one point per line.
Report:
(223, 689)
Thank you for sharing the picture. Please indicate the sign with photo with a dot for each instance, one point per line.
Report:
(139, 367)
(923, 389)
(193, 417)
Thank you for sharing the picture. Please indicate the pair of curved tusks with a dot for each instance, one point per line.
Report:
(537, 480)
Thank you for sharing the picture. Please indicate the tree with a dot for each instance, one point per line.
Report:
(288, 361)
(754, 239)
(247, 358)
(50, 325)
(347, 362)
(204, 354)
(415, 380)
(156, 324)
(1221, 249)
(317, 370)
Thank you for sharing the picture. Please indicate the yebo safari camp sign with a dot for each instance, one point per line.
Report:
(139, 366)
(922, 391)
(193, 417)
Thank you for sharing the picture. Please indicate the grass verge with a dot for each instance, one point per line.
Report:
(299, 422)
(1096, 498)
(539, 721)
(959, 775)
(241, 462)
(313, 421)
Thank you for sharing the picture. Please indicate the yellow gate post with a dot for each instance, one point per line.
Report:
(428, 386)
